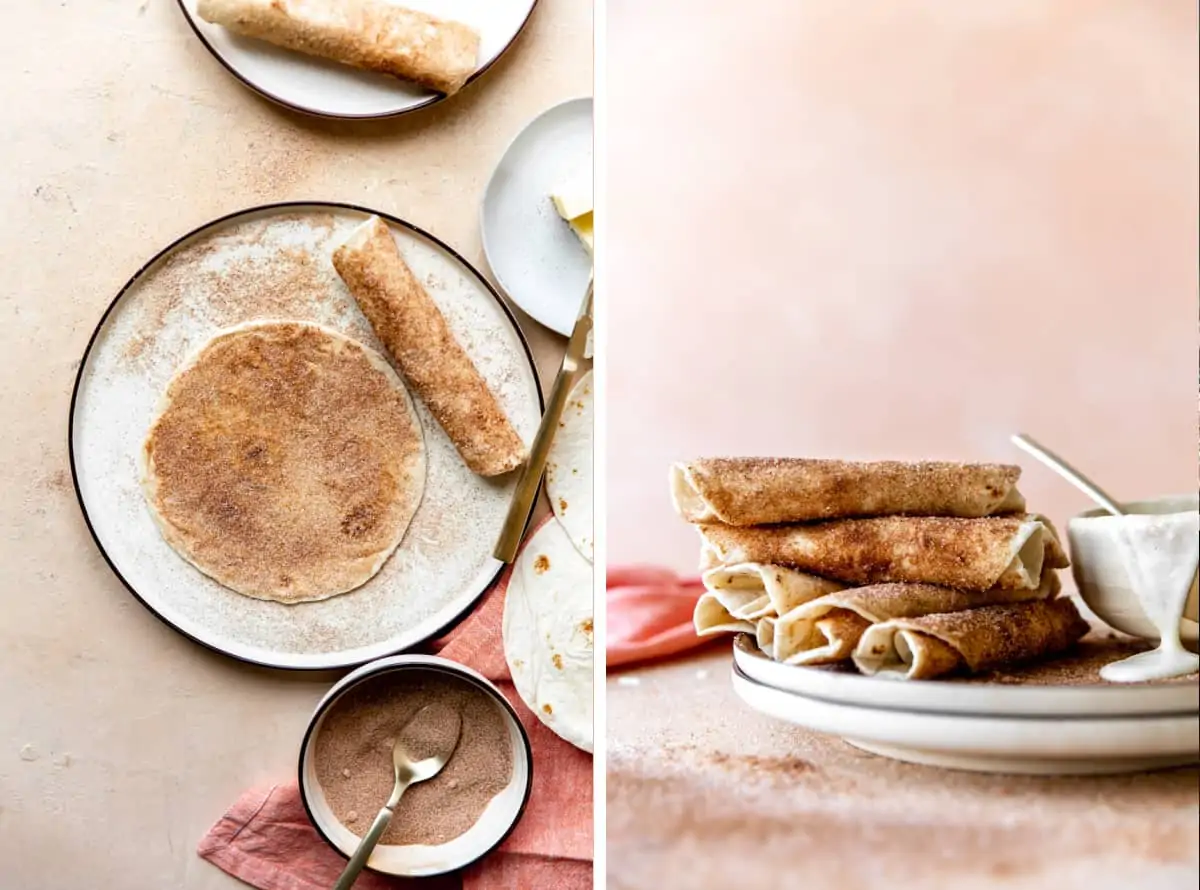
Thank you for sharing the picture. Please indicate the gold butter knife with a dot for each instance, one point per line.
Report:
(539, 452)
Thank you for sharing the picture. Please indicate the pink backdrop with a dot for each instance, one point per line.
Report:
(900, 229)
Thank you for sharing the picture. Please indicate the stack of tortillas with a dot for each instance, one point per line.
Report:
(910, 570)
(548, 610)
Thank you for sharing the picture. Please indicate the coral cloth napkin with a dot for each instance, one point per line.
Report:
(649, 614)
(267, 840)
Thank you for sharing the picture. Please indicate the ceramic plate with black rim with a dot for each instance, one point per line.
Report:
(274, 263)
(318, 86)
(540, 263)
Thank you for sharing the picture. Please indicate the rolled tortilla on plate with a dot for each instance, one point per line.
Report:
(710, 617)
(975, 640)
(764, 635)
(971, 554)
(764, 491)
(415, 334)
(370, 34)
(827, 630)
(752, 590)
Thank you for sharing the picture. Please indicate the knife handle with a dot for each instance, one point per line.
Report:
(531, 475)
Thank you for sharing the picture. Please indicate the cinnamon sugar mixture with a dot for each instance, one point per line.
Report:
(353, 757)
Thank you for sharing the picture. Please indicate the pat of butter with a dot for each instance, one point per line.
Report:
(574, 199)
(582, 226)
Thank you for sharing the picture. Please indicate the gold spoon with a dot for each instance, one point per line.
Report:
(422, 748)
(539, 453)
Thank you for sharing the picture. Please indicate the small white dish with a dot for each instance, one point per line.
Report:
(494, 825)
(1050, 745)
(317, 86)
(1103, 551)
(539, 262)
(974, 699)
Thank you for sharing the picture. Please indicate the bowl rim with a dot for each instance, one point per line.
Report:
(398, 663)
(1102, 514)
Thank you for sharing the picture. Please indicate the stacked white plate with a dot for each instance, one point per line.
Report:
(986, 727)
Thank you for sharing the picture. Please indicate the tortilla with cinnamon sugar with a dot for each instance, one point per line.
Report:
(971, 554)
(975, 640)
(369, 34)
(827, 629)
(412, 328)
(763, 491)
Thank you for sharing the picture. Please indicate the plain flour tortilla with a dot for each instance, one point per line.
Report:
(286, 462)
(569, 469)
(548, 635)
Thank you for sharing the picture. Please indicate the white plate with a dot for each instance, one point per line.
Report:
(538, 260)
(318, 86)
(1035, 745)
(951, 697)
(214, 278)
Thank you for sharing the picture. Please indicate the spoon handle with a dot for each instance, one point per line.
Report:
(1068, 472)
(365, 848)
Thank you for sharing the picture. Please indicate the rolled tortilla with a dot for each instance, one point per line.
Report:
(710, 617)
(970, 554)
(975, 640)
(752, 590)
(371, 34)
(763, 491)
(827, 629)
(414, 332)
(764, 635)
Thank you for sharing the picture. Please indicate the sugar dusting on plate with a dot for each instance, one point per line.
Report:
(276, 265)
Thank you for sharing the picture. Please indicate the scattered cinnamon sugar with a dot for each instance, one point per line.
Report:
(353, 757)
(1078, 667)
(919, 827)
(59, 480)
(276, 281)
(774, 767)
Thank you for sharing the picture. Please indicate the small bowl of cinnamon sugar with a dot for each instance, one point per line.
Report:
(443, 824)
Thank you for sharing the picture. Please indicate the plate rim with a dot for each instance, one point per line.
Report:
(1029, 724)
(435, 99)
(486, 198)
(742, 657)
(276, 207)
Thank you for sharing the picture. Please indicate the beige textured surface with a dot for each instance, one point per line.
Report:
(116, 742)
(705, 793)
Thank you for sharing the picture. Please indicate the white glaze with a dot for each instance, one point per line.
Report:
(1160, 555)
(1103, 574)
